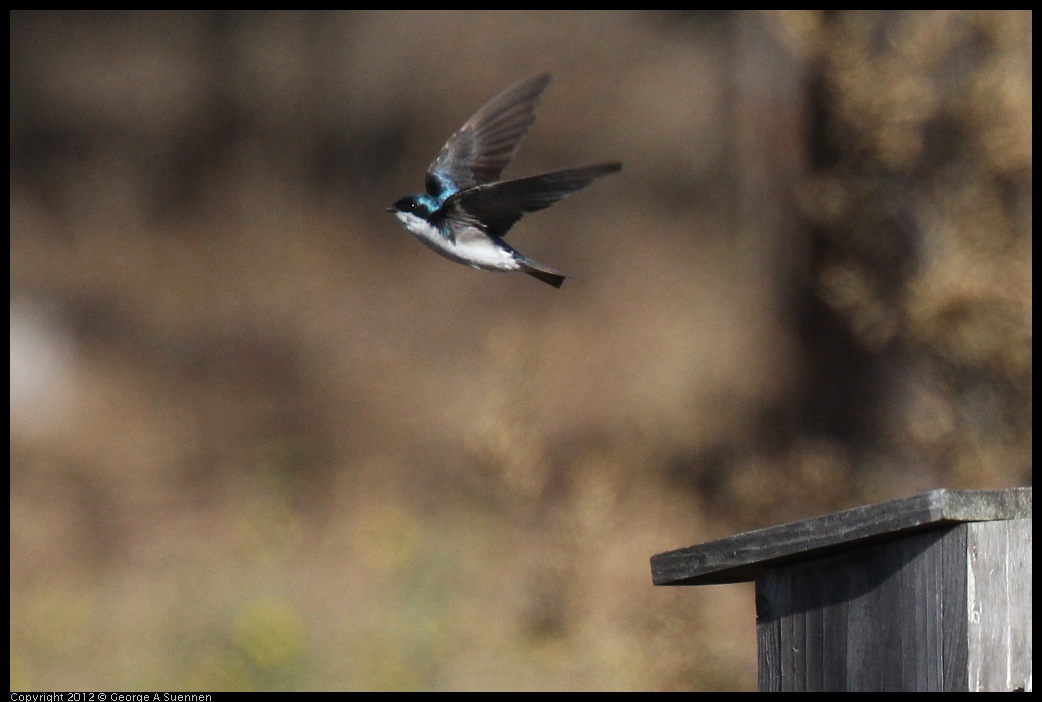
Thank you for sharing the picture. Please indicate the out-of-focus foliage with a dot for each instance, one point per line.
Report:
(923, 208)
(263, 439)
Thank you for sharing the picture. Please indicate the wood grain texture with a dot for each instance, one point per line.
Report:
(930, 593)
(744, 556)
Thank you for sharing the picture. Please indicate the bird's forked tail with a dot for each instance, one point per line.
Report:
(544, 273)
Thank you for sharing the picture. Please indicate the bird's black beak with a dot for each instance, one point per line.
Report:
(392, 209)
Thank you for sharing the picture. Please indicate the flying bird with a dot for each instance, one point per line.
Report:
(467, 210)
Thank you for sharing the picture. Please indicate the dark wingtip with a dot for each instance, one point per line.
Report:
(599, 170)
(545, 77)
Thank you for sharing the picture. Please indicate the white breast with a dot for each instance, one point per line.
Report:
(472, 247)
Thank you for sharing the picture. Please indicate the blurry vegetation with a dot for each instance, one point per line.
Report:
(263, 439)
(921, 208)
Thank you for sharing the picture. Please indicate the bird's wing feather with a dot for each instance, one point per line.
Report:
(496, 207)
(479, 151)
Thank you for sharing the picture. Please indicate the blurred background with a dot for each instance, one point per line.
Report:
(262, 438)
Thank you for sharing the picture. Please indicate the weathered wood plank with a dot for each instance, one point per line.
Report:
(999, 605)
(868, 619)
(932, 593)
(744, 556)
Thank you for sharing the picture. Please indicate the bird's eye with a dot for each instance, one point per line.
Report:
(407, 204)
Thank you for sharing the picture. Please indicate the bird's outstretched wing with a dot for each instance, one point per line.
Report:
(479, 151)
(496, 207)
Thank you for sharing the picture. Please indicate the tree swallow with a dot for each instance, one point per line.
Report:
(467, 209)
